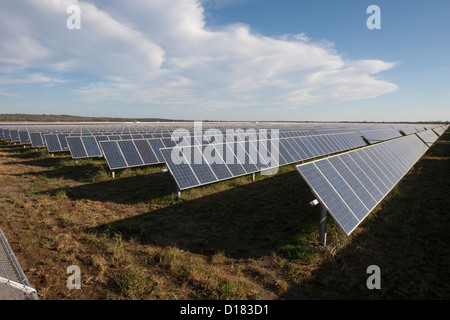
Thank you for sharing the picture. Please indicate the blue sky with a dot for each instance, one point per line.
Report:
(227, 59)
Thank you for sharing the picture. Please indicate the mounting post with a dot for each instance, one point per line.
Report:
(323, 226)
(113, 174)
(178, 193)
(254, 176)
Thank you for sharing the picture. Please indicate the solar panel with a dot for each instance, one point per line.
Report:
(14, 135)
(130, 153)
(374, 136)
(146, 152)
(36, 140)
(24, 137)
(184, 176)
(91, 146)
(351, 184)
(7, 134)
(62, 141)
(428, 137)
(76, 147)
(156, 145)
(113, 155)
(52, 143)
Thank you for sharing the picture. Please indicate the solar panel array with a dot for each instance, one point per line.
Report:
(350, 185)
(220, 161)
(127, 145)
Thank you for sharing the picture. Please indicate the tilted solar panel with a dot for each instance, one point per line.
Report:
(76, 147)
(36, 140)
(24, 137)
(428, 137)
(113, 155)
(52, 143)
(351, 184)
(91, 146)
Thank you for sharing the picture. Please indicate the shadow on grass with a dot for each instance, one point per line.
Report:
(407, 237)
(245, 221)
(128, 190)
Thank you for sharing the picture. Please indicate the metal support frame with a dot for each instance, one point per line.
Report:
(254, 176)
(27, 289)
(323, 226)
(113, 174)
(178, 193)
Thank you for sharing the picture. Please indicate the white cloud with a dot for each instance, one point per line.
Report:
(161, 52)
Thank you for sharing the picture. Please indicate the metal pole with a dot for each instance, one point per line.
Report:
(323, 226)
(178, 193)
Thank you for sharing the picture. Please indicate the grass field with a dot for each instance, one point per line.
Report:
(239, 239)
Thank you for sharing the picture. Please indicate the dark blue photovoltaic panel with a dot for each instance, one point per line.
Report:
(14, 135)
(130, 153)
(323, 190)
(181, 171)
(36, 140)
(76, 147)
(294, 149)
(146, 152)
(24, 137)
(52, 143)
(113, 155)
(232, 162)
(156, 145)
(213, 155)
(62, 141)
(202, 170)
(7, 134)
(91, 146)
(351, 184)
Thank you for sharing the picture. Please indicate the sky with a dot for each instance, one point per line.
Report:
(227, 60)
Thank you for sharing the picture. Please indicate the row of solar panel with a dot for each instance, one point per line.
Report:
(428, 137)
(374, 136)
(38, 139)
(351, 184)
(241, 158)
(25, 137)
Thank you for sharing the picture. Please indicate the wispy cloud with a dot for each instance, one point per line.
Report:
(160, 52)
